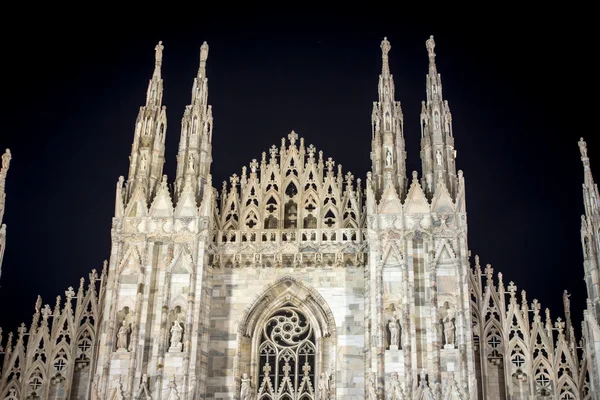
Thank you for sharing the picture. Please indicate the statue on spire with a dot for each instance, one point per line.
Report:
(204, 52)
(430, 43)
(385, 49)
(583, 148)
(159, 49)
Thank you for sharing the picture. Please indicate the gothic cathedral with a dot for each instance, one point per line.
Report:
(297, 281)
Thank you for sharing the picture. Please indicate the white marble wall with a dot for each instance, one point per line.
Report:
(234, 289)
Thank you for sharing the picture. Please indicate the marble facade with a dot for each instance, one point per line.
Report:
(297, 281)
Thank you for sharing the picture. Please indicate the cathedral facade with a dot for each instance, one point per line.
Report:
(296, 281)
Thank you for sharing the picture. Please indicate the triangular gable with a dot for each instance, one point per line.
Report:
(137, 206)
(444, 252)
(390, 202)
(186, 206)
(416, 202)
(442, 201)
(162, 206)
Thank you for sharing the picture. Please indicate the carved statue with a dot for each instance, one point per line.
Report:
(245, 392)
(323, 392)
(438, 157)
(176, 330)
(191, 162)
(448, 330)
(159, 49)
(143, 163)
(394, 333)
(122, 337)
(388, 158)
(566, 301)
(372, 389)
(396, 389)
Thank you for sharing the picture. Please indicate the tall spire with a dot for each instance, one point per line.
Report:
(195, 145)
(388, 155)
(437, 140)
(6, 157)
(148, 150)
(590, 231)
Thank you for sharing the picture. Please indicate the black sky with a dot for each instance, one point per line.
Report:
(517, 88)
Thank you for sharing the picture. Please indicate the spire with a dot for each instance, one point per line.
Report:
(388, 155)
(195, 145)
(437, 140)
(590, 230)
(6, 157)
(147, 153)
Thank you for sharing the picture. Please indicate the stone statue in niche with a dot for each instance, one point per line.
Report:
(122, 337)
(388, 158)
(191, 162)
(371, 387)
(394, 328)
(245, 393)
(438, 157)
(323, 392)
(143, 162)
(176, 333)
(448, 331)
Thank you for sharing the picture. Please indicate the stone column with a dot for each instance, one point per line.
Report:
(406, 336)
(436, 375)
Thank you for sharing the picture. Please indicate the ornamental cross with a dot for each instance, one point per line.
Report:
(560, 325)
(69, 293)
(234, 179)
(292, 137)
(286, 369)
(306, 369)
(273, 151)
(253, 165)
(512, 289)
(267, 369)
(488, 271)
(21, 330)
(349, 178)
(311, 151)
(329, 163)
(46, 312)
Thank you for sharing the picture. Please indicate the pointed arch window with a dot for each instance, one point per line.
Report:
(287, 352)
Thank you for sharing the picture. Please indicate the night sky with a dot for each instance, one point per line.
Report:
(516, 89)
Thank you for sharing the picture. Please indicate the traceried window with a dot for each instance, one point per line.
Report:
(287, 357)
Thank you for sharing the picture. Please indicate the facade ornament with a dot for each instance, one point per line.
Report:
(176, 334)
(246, 389)
(144, 391)
(388, 158)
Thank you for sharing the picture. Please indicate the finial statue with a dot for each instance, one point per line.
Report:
(385, 46)
(6, 157)
(159, 49)
(430, 43)
(583, 148)
(204, 52)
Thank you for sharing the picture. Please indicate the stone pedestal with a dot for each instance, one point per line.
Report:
(394, 362)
